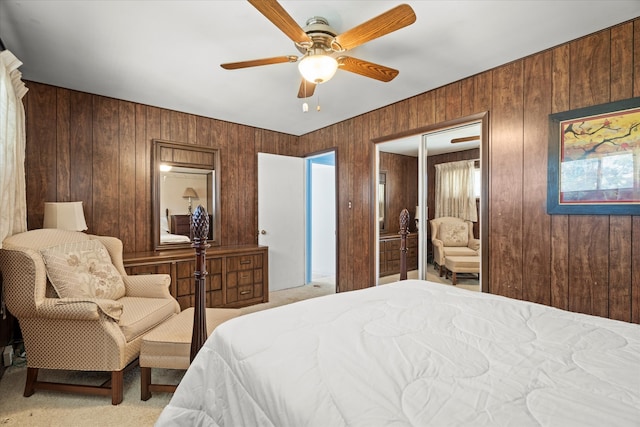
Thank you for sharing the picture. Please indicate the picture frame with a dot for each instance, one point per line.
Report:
(594, 160)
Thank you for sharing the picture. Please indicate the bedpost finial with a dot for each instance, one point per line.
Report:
(200, 224)
(404, 221)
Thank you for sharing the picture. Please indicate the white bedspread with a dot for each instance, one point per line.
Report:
(413, 353)
(166, 237)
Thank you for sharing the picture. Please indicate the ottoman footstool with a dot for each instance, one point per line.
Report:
(169, 346)
(461, 264)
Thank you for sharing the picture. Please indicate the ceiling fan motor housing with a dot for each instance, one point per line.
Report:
(322, 36)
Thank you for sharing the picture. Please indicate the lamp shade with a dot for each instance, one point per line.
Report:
(417, 215)
(318, 68)
(190, 193)
(64, 216)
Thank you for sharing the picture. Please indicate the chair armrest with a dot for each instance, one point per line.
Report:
(474, 244)
(148, 285)
(437, 242)
(78, 308)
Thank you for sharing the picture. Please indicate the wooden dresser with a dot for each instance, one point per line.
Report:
(390, 253)
(237, 275)
(181, 224)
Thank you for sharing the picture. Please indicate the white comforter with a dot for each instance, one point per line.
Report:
(413, 353)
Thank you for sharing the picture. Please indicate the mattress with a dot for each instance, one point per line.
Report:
(413, 353)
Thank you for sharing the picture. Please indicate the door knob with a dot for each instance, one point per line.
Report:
(263, 232)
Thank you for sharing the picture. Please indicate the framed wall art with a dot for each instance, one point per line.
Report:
(594, 160)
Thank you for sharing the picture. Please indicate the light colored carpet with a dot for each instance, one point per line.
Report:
(465, 282)
(47, 408)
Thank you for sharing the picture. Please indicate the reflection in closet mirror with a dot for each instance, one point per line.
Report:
(184, 175)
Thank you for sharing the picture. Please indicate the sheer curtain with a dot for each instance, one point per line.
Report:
(455, 195)
(13, 199)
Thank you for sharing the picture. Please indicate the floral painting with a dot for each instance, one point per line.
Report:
(599, 156)
(595, 156)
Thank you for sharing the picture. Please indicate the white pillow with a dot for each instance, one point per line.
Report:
(164, 224)
(83, 270)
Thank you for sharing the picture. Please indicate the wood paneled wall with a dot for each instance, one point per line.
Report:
(83, 147)
(402, 188)
(95, 149)
(583, 263)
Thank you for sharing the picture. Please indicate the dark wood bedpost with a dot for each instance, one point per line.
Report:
(404, 227)
(199, 231)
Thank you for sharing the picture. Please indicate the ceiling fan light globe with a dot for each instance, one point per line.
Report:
(317, 68)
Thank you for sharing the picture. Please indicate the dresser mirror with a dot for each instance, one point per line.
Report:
(184, 176)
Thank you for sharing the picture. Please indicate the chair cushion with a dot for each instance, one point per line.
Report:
(169, 345)
(140, 315)
(83, 270)
(458, 251)
(454, 234)
(463, 264)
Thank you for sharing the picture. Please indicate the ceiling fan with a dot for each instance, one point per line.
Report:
(318, 43)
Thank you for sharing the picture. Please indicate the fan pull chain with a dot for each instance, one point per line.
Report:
(305, 106)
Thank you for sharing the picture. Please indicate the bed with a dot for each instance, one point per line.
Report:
(413, 353)
(166, 237)
(165, 234)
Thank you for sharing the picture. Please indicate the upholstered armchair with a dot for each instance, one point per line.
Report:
(77, 308)
(452, 236)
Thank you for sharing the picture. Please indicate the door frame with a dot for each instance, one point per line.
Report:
(337, 216)
(482, 118)
(308, 256)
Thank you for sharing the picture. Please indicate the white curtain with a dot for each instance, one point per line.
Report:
(455, 195)
(13, 199)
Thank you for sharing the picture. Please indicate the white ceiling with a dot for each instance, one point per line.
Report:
(167, 53)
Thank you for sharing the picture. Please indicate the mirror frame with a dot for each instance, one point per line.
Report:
(382, 204)
(485, 165)
(185, 156)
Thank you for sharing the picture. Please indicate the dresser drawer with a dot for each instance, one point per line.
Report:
(245, 278)
(392, 245)
(236, 275)
(244, 262)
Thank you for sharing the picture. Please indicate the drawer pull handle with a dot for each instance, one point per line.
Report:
(246, 262)
(245, 292)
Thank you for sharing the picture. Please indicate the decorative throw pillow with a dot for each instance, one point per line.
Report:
(83, 270)
(454, 233)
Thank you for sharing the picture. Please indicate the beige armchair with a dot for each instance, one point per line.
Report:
(452, 236)
(67, 324)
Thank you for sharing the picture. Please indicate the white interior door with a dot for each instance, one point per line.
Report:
(281, 218)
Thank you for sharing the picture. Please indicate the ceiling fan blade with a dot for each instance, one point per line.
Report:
(258, 62)
(367, 69)
(306, 89)
(465, 139)
(275, 13)
(392, 20)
